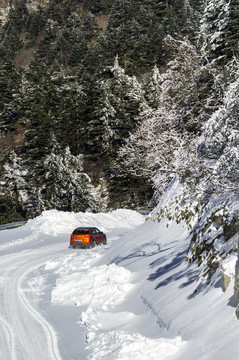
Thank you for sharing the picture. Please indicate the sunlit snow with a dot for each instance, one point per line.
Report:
(135, 298)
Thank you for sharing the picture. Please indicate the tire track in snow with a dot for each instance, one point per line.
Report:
(8, 338)
(48, 329)
(25, 333)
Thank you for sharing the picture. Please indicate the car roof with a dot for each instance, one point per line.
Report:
(85, 228)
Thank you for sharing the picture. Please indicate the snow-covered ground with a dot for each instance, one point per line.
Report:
(134, 299)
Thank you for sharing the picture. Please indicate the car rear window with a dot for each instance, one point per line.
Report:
(81, 232)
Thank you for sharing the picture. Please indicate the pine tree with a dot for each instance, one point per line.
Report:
(116, 109)
(41, 101)
(9, 88)
(10, 210)
(220, 29)
(66, 110)
(232, 30)
(14, 183)
(15, 26)
(65, 186)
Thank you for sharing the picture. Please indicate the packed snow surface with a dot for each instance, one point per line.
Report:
(135, 298)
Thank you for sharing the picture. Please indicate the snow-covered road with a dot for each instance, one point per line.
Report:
(25, 333)
(133, 299)
(58, 303)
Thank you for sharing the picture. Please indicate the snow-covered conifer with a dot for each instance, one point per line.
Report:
(116, 109)
(219, 29)
(65, 185)
(218, 144)
(14, 178)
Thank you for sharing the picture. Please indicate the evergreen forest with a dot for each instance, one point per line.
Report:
(104, 102)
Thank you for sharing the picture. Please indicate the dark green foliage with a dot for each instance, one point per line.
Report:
(98, 6)
(222, 21)
(231, 38)
(15, 27)
(9, 101)
(51, 107)
(129, 191)
(35, 24)
(10, 210)
(39, 100)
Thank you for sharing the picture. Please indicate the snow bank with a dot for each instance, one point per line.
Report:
(102, 286)
(229, 265)
(136, 297)
(119, 345)
(55, 223)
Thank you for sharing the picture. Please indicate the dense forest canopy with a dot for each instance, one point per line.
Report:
(104, 102)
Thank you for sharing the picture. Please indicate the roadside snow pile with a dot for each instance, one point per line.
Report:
(113, 326)
(119, 345)
(228, 269)
(98, 287)
(54, 223)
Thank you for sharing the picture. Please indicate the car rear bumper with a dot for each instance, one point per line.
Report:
(80, 245)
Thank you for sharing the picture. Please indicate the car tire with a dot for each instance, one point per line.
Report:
(93, 243)
(105, 241)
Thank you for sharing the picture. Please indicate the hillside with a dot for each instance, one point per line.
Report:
(76, 79)
(103, 102)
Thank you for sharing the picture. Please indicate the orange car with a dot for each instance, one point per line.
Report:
(87, 237)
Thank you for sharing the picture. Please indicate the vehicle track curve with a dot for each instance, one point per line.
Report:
(25, 333)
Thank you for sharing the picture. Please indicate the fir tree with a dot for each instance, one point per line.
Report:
(9, 86)
(65, 186)
(14, 184)
(220, 29)
(116, 109)
(232, 30)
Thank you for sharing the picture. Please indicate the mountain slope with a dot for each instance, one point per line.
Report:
(60, 83)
